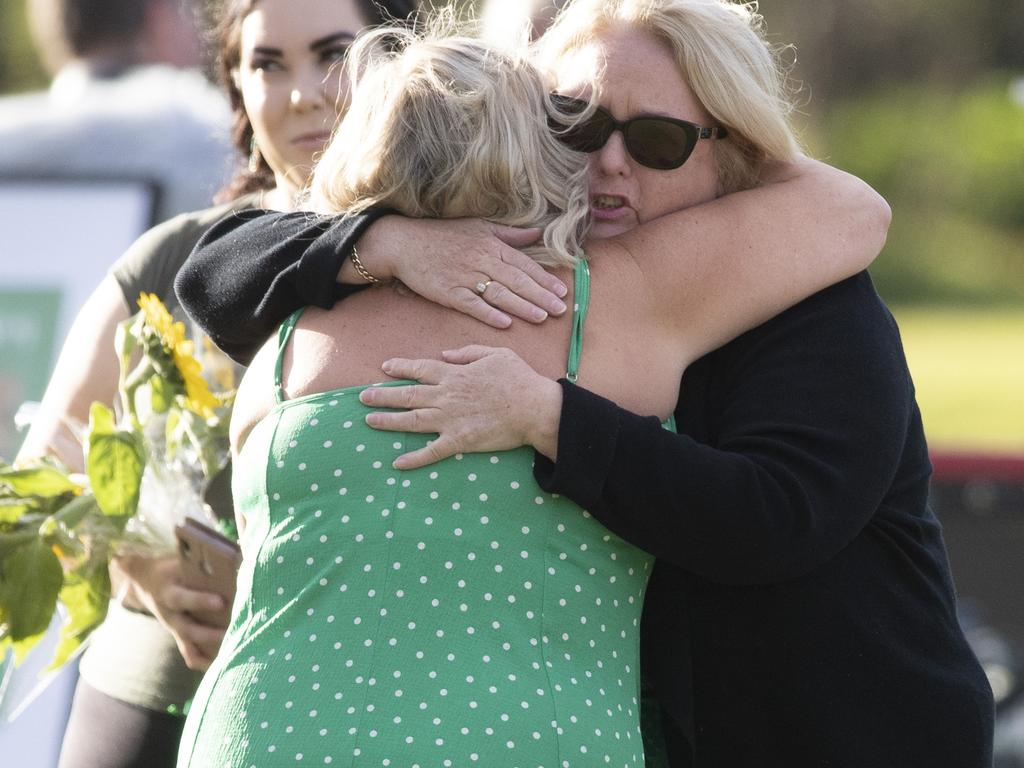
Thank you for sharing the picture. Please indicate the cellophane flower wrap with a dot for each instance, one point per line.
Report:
(146, 467)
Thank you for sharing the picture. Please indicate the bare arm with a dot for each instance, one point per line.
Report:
(721, 268)
(716, 270)
(253, 269)
(86, 371)
(444, 259)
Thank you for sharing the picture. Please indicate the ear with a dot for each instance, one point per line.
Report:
(236, 79)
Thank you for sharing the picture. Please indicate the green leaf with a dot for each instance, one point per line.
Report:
(161, 394)
(173, 434)
(15, 511)
(30, 580)
(37, 481)
(12, 509)
(126, 338)
(12, 540)
(70, 549)
(22, 647)
(211, 454)
(227, 526)
(85, 595)
(101, 420)
(76, 510)
(114, 464)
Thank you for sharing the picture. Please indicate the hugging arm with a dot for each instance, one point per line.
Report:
(714, 270)
(809, 225)
(806, 420)
(254, 268)
(720, 268)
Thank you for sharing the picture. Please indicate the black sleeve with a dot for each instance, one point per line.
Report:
(254, 268)
(809, 416)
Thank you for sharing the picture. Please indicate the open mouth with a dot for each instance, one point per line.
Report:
(608, 202)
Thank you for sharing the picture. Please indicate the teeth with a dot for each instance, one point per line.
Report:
(608, 201)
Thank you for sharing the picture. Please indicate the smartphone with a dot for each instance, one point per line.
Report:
(210, 563)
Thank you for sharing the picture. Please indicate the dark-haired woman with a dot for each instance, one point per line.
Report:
(280, 62)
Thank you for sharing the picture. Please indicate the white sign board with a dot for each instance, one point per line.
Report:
(58, 238)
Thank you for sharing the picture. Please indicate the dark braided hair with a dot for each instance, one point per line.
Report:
(228, 34)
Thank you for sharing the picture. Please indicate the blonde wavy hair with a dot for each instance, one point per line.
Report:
(445, 126)
(723, 55)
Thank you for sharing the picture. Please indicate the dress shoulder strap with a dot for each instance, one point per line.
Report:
(579, 317)
(284, 333)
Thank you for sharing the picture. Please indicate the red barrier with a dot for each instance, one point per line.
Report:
(954, 466)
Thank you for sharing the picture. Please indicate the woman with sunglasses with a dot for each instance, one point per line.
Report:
(802, 597)
(801, 610)
(454, 614)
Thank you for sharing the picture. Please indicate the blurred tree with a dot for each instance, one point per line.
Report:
(950, 160)
(20, 69)
(845, 48)
(912, 95)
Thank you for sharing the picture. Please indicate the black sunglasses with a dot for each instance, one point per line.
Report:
(662, 143)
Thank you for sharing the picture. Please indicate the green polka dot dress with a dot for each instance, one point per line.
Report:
(454, 615)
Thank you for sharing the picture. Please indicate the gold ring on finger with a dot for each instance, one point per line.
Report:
(481, 287)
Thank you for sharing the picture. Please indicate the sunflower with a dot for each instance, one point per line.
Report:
(172, 336)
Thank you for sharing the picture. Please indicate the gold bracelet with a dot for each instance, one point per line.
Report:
(363, 272)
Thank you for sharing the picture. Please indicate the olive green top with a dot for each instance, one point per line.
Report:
(131, 657)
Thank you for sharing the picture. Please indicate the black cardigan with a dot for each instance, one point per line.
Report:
(254, 268)
(801, 612)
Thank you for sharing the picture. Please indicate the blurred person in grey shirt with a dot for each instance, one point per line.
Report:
(125, 100)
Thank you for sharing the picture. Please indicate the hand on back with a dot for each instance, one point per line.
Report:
(478, 399)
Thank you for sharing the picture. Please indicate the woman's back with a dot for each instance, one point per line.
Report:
(631, 354)
(416, 617)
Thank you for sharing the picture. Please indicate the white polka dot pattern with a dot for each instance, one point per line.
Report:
(449, 616)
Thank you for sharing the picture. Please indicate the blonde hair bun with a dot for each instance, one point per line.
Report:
(443, 125)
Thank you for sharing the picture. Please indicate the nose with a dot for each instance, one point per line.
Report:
(612, 159)
(308, 90)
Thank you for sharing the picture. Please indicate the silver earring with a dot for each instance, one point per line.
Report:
(255, 158)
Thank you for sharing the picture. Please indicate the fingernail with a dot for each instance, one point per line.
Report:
(386, 366)
(558, 308)
(561, 289)
(539, 315)
(216, 602)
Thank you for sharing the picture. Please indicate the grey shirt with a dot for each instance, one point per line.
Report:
(157, 123)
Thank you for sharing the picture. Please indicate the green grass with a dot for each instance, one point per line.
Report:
(968, 367)
(950, 161)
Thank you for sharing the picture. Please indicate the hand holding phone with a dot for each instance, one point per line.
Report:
(209, 563)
